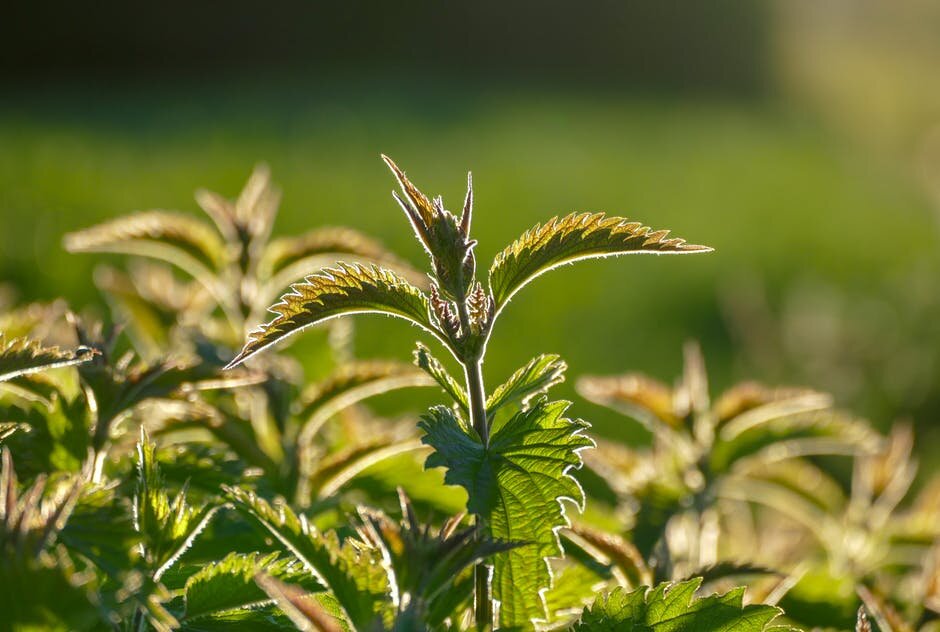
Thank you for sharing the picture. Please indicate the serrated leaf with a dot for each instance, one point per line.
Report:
(433, 367)
(306, 613)
(431, 569)
(572, 238)
(229, 584)
(516, 485)
(289, 258)
(674, 608)
(186, 242)
(345, 289)
(353, 572)
(167, 527)
(22, 356)
(535, 378)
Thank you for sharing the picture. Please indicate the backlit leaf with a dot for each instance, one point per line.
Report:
(674, 608)
(167, 527)
(182, 240)
(354, 572)
(572, 238)
(22, 356)
(436, 370)
(229, 584)
(332, 292)
(516, 485)
(535, 378)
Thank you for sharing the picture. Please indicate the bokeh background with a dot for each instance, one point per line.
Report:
(800, 139)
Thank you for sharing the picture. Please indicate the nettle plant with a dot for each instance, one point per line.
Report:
(154, 491)
(193, 286)
(513, 450)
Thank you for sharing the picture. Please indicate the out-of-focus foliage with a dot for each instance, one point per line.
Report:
(752, 484)
(160, 492)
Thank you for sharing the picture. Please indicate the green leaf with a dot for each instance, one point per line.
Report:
(247, 220)
(57, 434)
(334, 471)
(229, 584)
(516, 485)
(445, 237)
(167, 527)
(186, 242)
(22, 356)
(333, 292)
(354, 572)
(435, 369)
(572, 238)
(674, 608)
(535, 378)
(352, 383)
(288, 259)
(434, 570)
(101, 528)
(306, 613)
(790, 436)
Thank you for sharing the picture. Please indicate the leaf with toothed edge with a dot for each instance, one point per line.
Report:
(444, 236)
(167, 527)
(535, 378)
(572, 238)
(182, 240)
(226, 586)
(516, 485)
(22, 356)
(355, 573)
(672, 607)
(436, 370)
(333, 292)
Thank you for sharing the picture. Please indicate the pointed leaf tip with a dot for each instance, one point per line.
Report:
(573, 238)
(333, 292)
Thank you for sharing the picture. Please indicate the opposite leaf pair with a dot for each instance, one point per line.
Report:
(515, 466)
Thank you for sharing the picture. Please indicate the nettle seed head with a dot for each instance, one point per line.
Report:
(445, 237)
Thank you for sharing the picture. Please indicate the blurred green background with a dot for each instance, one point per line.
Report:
(800, 139)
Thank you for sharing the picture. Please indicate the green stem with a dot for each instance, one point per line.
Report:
(474, 374)
(473, 371)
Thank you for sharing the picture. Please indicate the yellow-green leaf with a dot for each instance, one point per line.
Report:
(332, 292)
(572, 238)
